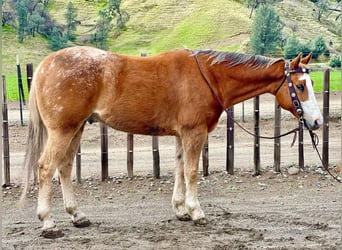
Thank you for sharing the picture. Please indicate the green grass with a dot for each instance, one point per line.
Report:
(317, 77)
(12, 92)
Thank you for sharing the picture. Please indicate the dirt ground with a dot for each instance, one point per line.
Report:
(270, 211)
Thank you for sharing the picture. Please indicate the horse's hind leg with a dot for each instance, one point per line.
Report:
(59, 152)
(53, 155)
(78, 218)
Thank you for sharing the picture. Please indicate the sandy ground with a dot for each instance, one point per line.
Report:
(270, 211)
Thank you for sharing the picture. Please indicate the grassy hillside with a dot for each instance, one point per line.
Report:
(160, 25)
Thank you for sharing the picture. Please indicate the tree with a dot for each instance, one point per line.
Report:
(121, 15)
(322, 8)
(266, 31)
(335, 62)
(103, 27)
(71, 23)
(318, 47)
(22, 11)
(35, 23)
(254, 4)
(56, 40)
(33, 18)
(291, 48)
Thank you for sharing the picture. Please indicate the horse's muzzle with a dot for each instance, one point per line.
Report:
(313, 126)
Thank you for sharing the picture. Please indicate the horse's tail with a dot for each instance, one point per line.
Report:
(35, 142)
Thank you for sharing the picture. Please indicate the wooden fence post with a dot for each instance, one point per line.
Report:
(20, 91)
(205, 158)
(277, 147)
(256, 137)
(5, 136)
(29, 75)
(230, 141)
(325, 149)
(300, 145)
(130, 155)
(104, 151)
(156, 158)
(78, 165)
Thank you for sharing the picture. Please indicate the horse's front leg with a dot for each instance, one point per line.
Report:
(178, 197)
(192, 144)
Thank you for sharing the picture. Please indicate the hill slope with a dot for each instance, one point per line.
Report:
(160, 25)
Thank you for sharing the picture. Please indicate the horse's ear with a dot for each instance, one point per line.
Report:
(295, 62)
(306, 59)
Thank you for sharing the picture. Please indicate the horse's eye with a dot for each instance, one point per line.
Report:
(300, 87)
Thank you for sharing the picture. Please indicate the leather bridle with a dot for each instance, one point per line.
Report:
(287, 76)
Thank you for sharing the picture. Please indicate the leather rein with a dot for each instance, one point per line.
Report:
(295, 102)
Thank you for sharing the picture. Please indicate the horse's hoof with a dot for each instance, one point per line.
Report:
(84, 222)
(184, 217)
(201, 222)
(52, 233)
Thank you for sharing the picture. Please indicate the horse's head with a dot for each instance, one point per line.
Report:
(296, 93)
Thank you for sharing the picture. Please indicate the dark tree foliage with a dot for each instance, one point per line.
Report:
(104, 23)
(56, 40)
(71, 23)
(317, 47)
(266, 31)
(32, 18)
(22, 12)
(103, 27)
(254, 4)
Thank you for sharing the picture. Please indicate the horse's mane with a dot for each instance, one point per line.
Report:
(233, 59)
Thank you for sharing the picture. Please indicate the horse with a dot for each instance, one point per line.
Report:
(179, 93)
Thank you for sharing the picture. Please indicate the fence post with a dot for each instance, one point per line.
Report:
(230, 141)
(277, 125)
(21, 91)
(78, 165)
(5, 137)
(156, 158)
(104, 151)
(29, 75)
(256, 137)
(325, 150)
(130, 155)
(300, 145)
(205, 158)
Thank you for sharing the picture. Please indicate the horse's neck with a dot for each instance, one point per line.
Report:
(247, 83)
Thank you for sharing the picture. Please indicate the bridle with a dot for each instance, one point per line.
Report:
(295, 102)
(287, 76)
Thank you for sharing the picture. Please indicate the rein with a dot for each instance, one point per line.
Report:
(295, 101)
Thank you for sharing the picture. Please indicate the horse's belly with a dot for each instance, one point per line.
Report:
(137, 124)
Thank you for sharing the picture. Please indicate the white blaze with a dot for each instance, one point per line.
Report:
(310, 106)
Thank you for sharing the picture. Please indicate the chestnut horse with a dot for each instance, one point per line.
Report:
(181, 93)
